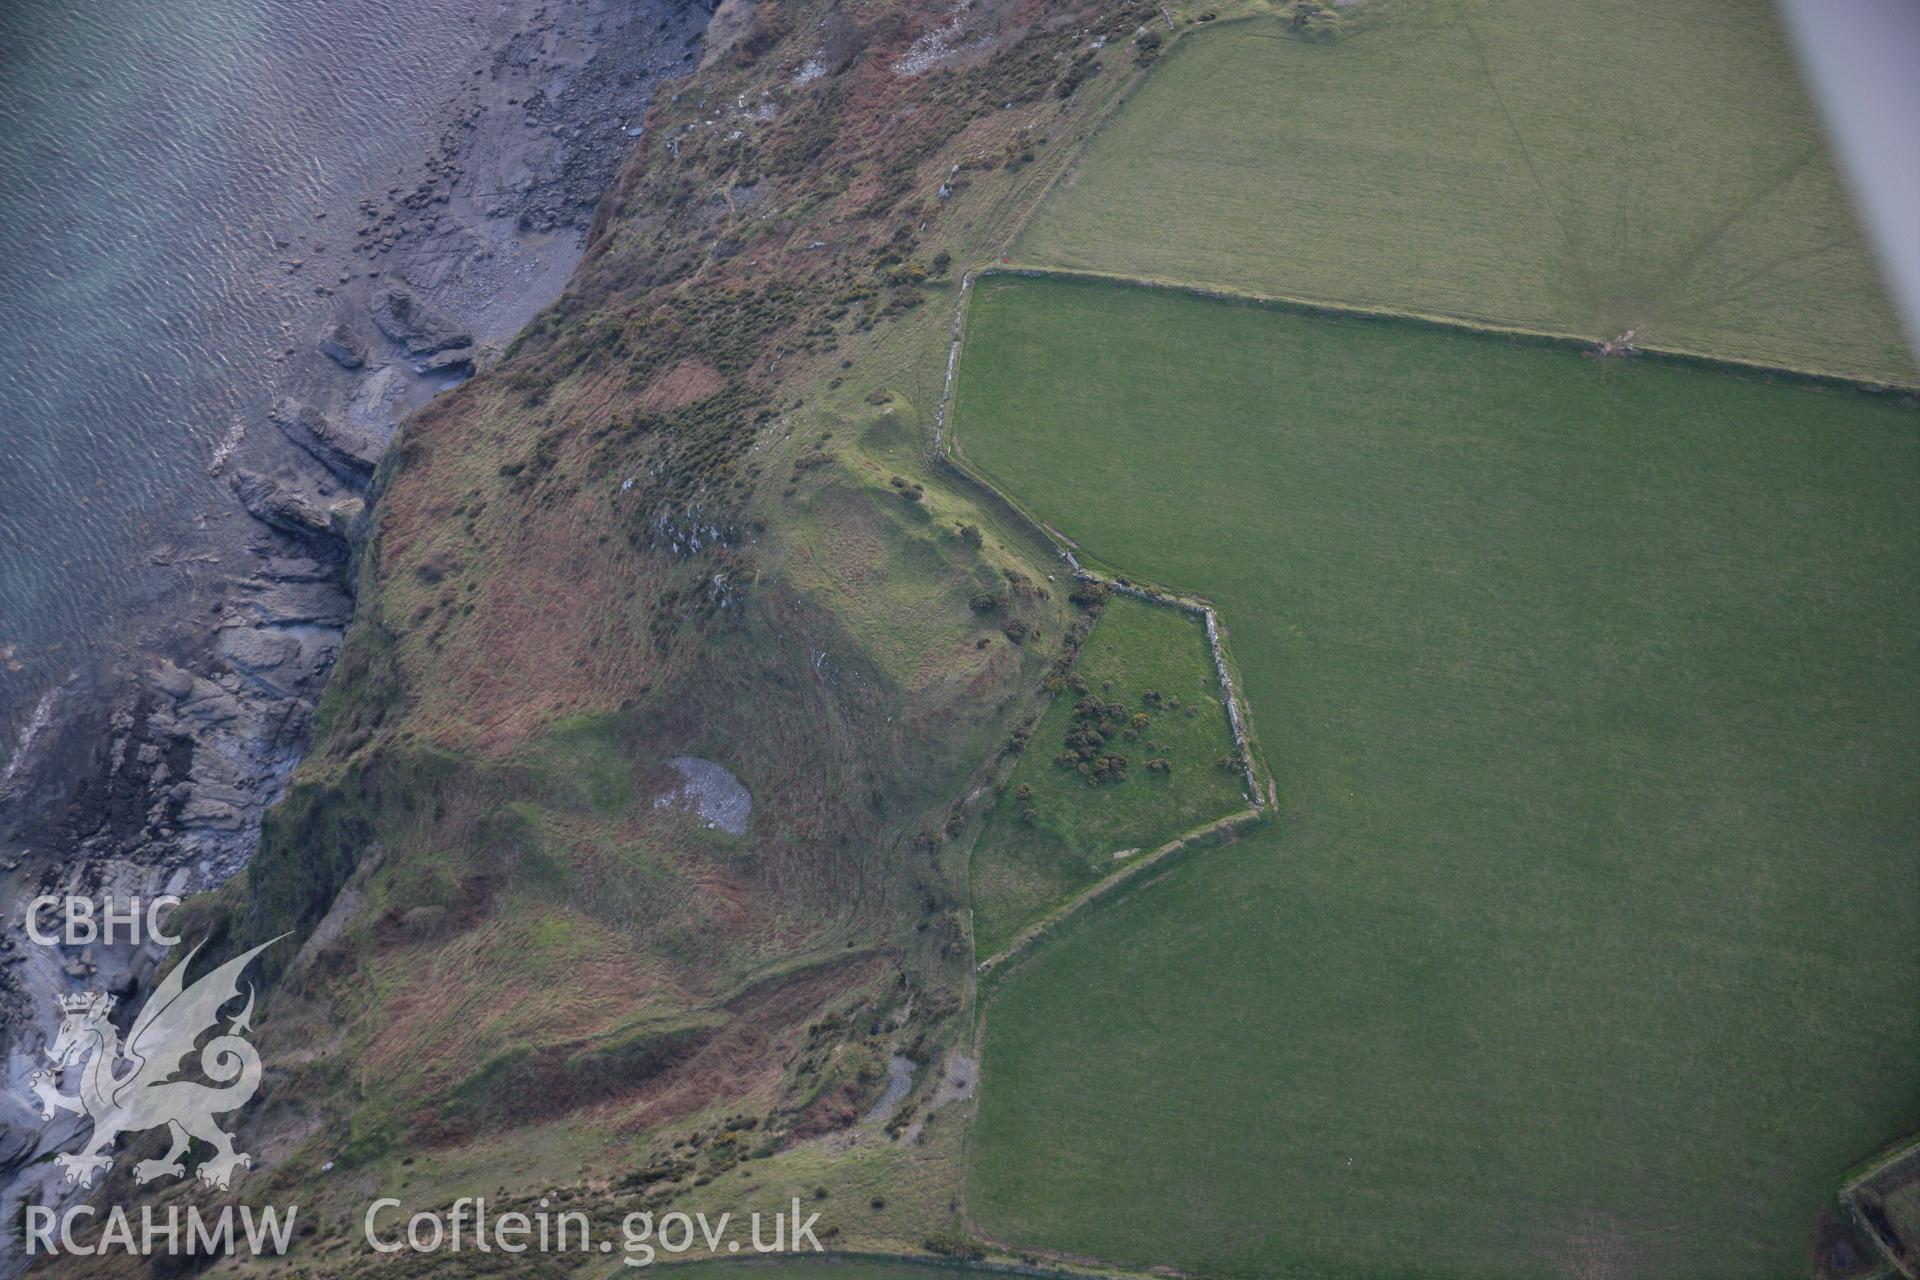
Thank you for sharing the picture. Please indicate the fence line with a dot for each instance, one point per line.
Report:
(953, 356)
(1220, 669)
(1218, 828)
(943, 451)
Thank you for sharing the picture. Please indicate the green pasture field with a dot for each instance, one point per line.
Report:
(1583, 941)
(1020, 869)
(1553, 164)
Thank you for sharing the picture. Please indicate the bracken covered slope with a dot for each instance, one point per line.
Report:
(690, 514)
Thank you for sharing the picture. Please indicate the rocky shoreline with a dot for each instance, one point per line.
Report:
(151, 775)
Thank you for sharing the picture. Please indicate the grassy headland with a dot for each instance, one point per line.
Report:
(688, 514)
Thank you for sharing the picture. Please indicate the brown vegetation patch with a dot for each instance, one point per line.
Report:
(726, 900)
(684, 384)
(833, 1110)
(551, 621)
(744, 1056)
(549, 638)
(452, 1005)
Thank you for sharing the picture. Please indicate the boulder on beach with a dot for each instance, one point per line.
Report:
(339, 345)
(344, 519)
(452, 360)
(281, 604)
(345, 450)
(290, 569)
(419, 329)
(255, 650)
(171, 680)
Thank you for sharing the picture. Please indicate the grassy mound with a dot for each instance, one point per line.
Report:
(1149, 661)
(1552, 164)
(1584, 931)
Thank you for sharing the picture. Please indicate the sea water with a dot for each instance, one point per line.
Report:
(151, 155)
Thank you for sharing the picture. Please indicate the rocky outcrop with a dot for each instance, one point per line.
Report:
(416, 327)
(342, 448)
(294, 510)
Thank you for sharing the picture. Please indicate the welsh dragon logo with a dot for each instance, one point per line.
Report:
(130, 1086)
